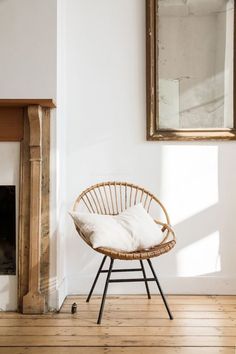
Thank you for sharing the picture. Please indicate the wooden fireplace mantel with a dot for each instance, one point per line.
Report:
(24, 102)
(12, 113)
(28, 121)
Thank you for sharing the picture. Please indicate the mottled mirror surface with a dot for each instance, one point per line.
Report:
(195, 64)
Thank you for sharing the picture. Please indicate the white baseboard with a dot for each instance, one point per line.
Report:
(204, 285)
(61, 293)
(57, 296)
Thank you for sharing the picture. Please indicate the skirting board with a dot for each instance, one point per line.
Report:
(57, 297)
(61, 293)
(204, 285)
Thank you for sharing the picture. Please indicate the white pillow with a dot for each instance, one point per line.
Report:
(132, 230)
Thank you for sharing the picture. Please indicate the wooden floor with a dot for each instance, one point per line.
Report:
(131, 324)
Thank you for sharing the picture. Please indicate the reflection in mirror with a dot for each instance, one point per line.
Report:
(195, 64)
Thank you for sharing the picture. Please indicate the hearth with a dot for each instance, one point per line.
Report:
(7, 230)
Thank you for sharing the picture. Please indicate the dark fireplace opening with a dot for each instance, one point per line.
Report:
(7, 230)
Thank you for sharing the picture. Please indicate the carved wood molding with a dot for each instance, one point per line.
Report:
(32, 128)
(34, 301)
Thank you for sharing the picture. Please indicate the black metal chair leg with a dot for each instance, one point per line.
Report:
(145, 278)
(105, 292)
(159, 287)
(96, 278)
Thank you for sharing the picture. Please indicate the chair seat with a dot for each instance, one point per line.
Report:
(141, 254)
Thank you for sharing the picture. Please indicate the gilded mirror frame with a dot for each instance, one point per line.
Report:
(153, 133)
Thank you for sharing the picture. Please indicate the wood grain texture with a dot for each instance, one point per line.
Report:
(11, 123)
(117, 331)
(115, 350)
(45, 207)
(28, 121)
(173, 299)
(117, 341)
(153, 307)
(72, 321)
(34, 301)
(126, 331)
(25, 102)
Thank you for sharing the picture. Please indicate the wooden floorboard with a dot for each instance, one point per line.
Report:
(148, 314)
(114, 350)
(131, 324)
(152, 307)
(118, 341)
(118, 331)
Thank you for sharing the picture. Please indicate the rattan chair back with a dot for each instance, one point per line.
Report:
(111, 198)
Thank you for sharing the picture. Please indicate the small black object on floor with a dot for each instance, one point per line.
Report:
(74, 308)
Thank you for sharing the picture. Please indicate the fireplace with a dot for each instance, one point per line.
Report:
(7, 230)
(27, 121)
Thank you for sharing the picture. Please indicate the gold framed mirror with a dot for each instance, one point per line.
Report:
(190, 69)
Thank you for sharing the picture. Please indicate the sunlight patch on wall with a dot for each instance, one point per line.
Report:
(200, 258)
(189, 179)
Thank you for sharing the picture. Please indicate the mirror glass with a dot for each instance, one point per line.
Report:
(195, 64)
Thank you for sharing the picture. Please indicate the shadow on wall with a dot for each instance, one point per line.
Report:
(206, 242)
(197, 188)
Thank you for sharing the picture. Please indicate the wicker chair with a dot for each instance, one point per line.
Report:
(111, 198)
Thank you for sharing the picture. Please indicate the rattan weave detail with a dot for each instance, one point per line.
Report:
(111, 198)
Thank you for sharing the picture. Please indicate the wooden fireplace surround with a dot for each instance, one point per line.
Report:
(28, 121)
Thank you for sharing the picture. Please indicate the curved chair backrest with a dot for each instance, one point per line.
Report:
(111, 198)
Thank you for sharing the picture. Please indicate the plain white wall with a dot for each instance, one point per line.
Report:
(61, 137)
(105, 117)
(28, 48)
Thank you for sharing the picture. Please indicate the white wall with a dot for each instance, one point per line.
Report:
(60, 132)
(28, 69)
(28, 48)
(105, 132)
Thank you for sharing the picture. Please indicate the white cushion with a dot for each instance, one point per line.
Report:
(132, 230)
